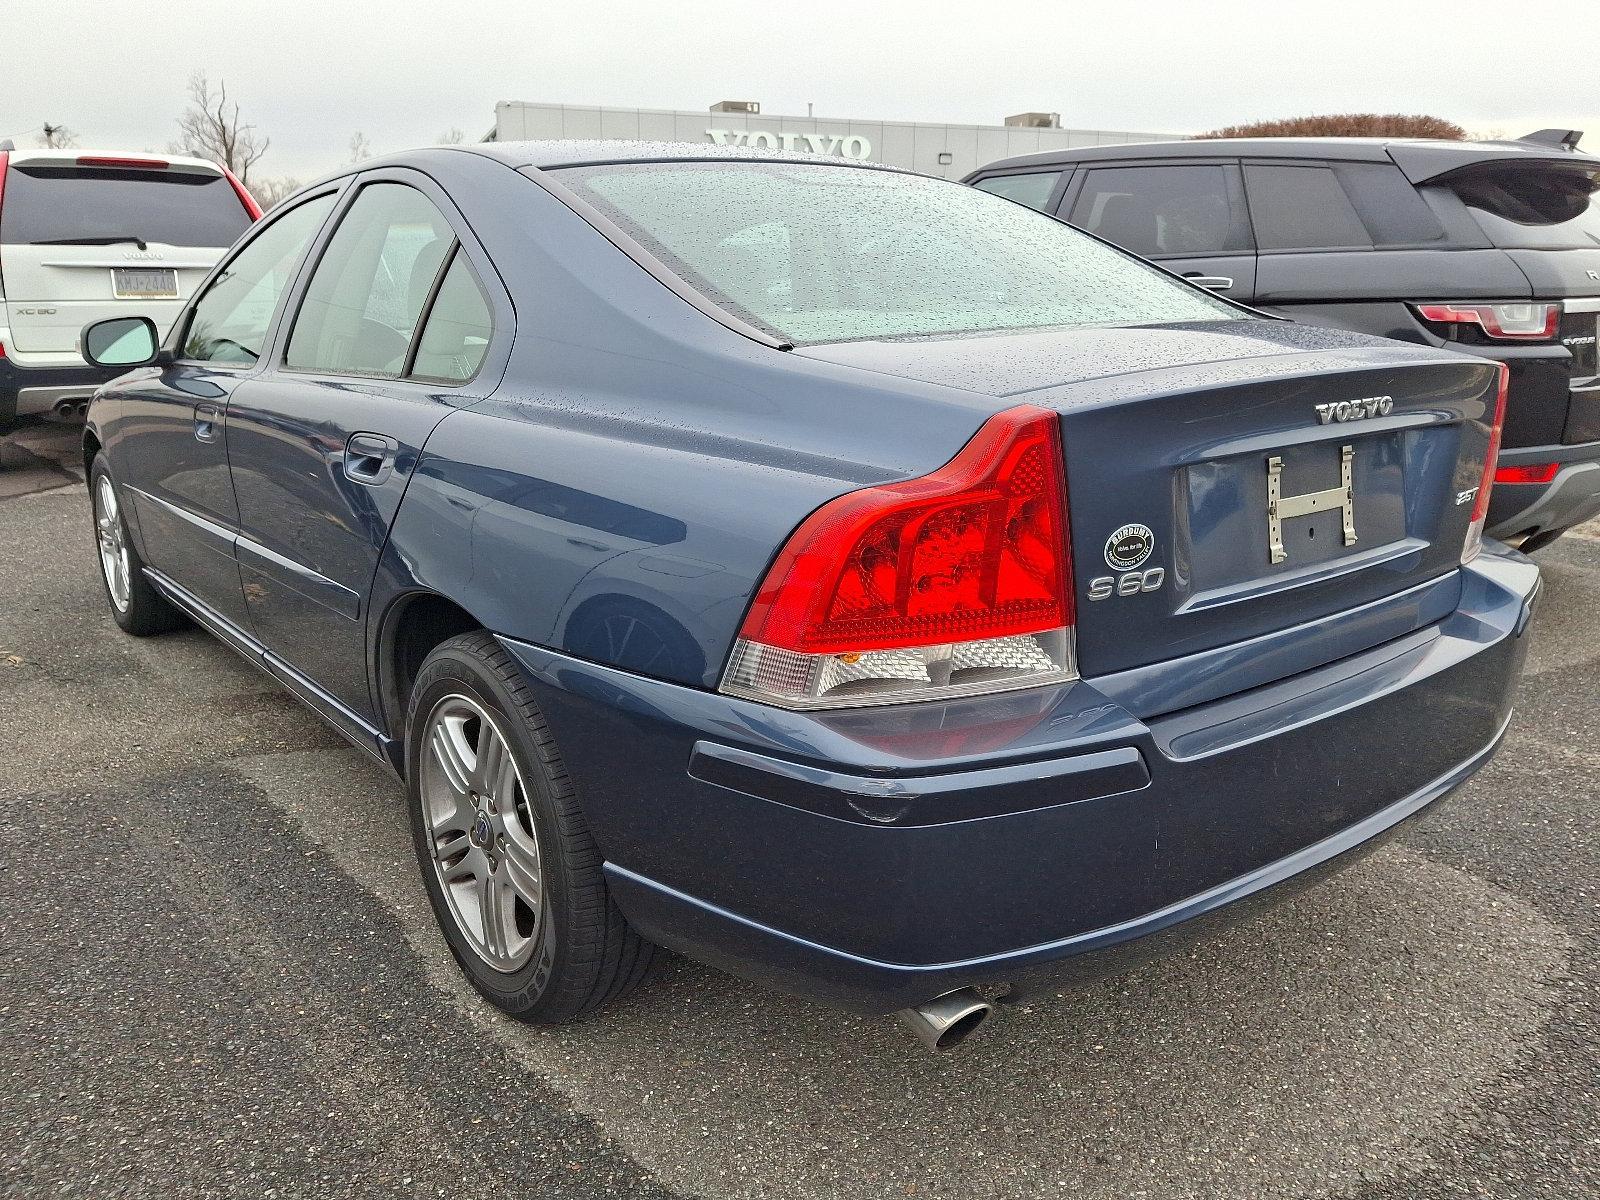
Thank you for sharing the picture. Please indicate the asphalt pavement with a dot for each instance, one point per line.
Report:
(219, 977)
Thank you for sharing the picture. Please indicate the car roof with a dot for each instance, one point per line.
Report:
(24, 158)
(554, 153)
(1419, 158)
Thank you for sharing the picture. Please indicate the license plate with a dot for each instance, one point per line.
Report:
(144, 283)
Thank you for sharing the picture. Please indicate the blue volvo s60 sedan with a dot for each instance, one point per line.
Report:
(848, 578)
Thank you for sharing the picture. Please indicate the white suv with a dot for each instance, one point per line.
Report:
(86, 235)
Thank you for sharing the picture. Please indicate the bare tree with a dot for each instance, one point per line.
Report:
(270, 193)
(360, 148)
(210, 128)
(56, 137)
(452, 137)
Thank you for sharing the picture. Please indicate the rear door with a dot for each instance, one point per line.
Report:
(1190, 217)
(401, 320)
(89, 237)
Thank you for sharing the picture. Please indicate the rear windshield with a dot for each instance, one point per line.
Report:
(71, 205)
(1551, 208)
(818, 253)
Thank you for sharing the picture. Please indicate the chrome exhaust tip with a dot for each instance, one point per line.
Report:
(945, 1023)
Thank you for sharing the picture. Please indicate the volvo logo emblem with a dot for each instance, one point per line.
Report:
(482, 831)
(1355, 410)
(1129, 547)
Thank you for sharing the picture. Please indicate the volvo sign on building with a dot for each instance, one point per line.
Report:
(937, 149)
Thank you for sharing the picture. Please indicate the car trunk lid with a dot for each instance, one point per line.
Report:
(1371, 452)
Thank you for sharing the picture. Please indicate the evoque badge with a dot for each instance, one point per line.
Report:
(1355, 410)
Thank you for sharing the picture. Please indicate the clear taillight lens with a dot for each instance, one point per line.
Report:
(1511, 321)
(954, 583)
(1480, 504)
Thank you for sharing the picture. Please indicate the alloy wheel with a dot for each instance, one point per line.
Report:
(113, 545)
(481, 833)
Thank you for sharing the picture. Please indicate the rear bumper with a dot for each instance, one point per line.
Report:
(1520, 509)
(36, 391)
(878, 858)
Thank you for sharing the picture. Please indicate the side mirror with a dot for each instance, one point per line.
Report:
(120, 342)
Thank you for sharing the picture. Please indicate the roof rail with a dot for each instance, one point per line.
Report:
(1567, 139)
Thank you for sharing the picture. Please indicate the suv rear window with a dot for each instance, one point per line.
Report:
(821, 253)
(1550, 207)
(72, 205)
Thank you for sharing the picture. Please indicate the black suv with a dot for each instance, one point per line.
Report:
(1492, 248)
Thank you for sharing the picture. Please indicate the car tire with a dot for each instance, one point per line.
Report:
(483, 826)
(135, 604)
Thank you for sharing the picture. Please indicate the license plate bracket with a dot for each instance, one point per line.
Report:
(144, 283)
(1281, 508)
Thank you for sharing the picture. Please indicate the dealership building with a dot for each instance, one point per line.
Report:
(936, 149)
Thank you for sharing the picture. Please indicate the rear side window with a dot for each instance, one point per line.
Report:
(101, 206)
(1302, 208)
(1033, 190)
(365, 298)
(1549, 207)
(456, 334)
(1345, 206)
(1163, 211)
(1388, 206)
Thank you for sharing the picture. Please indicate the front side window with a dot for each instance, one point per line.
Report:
(233, 314)
(365, 299)
(1034, 189)
(1163, 211)
(821, 253)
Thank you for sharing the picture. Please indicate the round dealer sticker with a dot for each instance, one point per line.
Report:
(1129, 546)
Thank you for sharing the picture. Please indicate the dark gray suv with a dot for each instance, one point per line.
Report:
(1492, 248)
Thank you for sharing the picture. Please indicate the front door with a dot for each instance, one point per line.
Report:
(391, 334)
(172, 455)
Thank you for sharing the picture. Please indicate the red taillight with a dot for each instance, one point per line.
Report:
(5, 161)
(1531, 473)
(1480, 507)
(141, 164)
(1516, 321)
(918, 581)
(245, 198)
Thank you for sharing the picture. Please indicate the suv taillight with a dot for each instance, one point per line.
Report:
(955, 583)
(1518, 321)
(1480, 506)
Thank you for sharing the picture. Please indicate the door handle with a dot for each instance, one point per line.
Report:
(1215, 283)
(207, 422)
(369, 457)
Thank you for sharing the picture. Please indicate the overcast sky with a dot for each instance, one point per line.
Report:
(309, 73)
